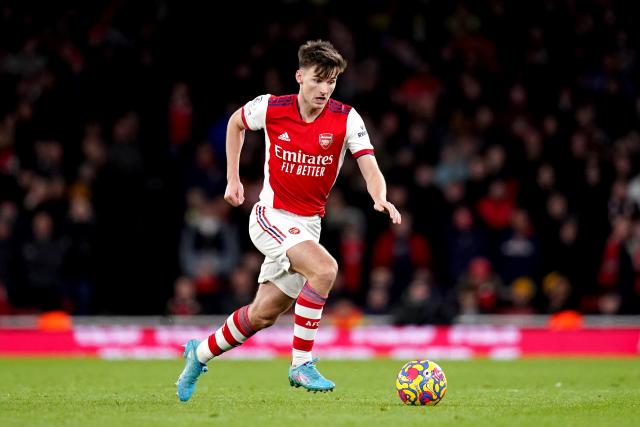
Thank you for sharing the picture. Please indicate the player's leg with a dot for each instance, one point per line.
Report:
(269, 303)
(293, 256)
(320, 269)
(311, 260)
(314, 262)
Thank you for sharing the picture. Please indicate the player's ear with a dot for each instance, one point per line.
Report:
(299, 76)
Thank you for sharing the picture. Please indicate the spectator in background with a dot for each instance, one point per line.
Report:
(344, 235)
(480, 289)
(609, 303)
(125, 157)
(79, 263)
(522, 293)
(252, 261)
(37, 191)
(452, 167)
(571, 257)
(465, 242)
(209, 288)
(420, 303)
(377, 301)
(427, 203)
(5, 307)
(180, 116)
(633, 191)
(557, 292)
(49, 158)
(196, 199)
(616, 264)
(536, 191)
(619, 202)
(403, 251)
(208, 238)
(351, 253)
(496, 164)
(8, 217)
(617, 273)
(5, 265)
(497, 206)
(95, 157)
(477, 182)
(478, 112)
(206, 173)
(378, 295)
(557, 212)
(209, 248)
(183, 302)
(42, 261)
(518, 251)
(241, 288)
(466, 302)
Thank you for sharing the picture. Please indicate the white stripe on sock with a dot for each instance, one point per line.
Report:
(309, 313)
(299, 357)
(235, 332)
(304, 333)
(203, 352)
(222, 343)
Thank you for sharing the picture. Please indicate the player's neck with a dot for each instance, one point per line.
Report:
(307, 112)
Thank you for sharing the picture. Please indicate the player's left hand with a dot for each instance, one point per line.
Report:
(388, 207)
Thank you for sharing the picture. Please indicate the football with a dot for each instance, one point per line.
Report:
(421, 382)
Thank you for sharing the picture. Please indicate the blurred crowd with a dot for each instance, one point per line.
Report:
(508, 133)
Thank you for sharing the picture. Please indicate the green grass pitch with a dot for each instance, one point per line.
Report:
(533, 392)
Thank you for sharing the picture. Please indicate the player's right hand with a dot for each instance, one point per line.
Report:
(234, 194)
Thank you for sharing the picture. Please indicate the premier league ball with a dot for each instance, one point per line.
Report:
(421, 382)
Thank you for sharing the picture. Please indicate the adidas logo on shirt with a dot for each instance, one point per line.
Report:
(284, 137)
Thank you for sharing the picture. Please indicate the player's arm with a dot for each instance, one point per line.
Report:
(377, 187)
(234, 193)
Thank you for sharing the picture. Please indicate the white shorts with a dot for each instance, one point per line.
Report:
(273, 232)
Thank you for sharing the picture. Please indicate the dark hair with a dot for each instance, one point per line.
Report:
(324, 56)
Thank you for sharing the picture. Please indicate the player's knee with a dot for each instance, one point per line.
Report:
(328, 271)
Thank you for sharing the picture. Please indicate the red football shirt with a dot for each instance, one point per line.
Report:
(302, 159)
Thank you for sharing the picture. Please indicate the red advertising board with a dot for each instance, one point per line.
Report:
(455, 342)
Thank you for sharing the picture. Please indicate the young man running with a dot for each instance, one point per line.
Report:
(306, 138)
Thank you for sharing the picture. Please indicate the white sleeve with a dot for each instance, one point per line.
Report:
(357, 138)
(254, 113)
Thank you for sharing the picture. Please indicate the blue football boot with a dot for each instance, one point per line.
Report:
(307, 376)
(192, 370)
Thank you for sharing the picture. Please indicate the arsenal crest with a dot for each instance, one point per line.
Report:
(326, 139)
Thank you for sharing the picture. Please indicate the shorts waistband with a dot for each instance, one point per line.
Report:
(291, 214)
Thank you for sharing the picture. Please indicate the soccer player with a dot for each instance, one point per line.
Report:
(306, 138)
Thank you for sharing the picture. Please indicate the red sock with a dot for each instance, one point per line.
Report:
(236, 330)
(308, 312)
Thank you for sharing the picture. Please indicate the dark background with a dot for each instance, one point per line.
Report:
(508, 133)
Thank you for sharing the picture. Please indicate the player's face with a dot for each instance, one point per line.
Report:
(315, 90)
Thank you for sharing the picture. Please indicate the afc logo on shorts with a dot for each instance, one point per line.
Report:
(325, 139)
(294, 230)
